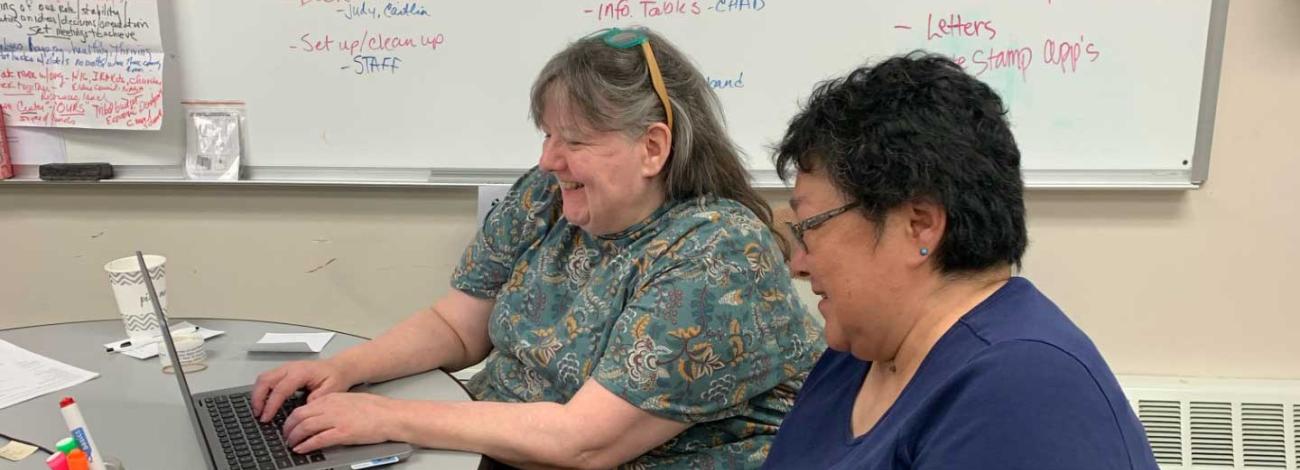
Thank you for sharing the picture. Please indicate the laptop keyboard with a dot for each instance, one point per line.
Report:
(248, 444)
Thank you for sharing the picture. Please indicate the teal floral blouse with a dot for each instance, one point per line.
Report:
(689, 315)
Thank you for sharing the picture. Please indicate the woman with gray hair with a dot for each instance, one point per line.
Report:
(628, 294)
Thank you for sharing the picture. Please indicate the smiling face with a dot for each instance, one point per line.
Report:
(861, 276)
(608, 179)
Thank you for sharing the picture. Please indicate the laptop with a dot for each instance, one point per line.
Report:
(233, 439)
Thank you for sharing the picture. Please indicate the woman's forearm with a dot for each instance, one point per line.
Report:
(377, 360)
(452, 335)
(594, 429)
(527, 435)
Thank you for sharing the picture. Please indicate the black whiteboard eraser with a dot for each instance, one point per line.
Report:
(76, 171)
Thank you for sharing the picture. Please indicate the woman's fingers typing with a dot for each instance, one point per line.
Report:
(276, 386)
(265, 382)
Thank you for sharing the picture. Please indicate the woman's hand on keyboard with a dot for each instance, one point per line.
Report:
(341, 418)
(274, 386)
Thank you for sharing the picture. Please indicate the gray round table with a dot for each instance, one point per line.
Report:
(135, 412)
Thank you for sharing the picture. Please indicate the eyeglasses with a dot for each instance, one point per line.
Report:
(628, 38)
(798, 228)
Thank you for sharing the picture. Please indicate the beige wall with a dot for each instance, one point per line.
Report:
(1172, 283)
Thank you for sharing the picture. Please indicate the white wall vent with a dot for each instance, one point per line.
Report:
(1263, 435)
(1218, 424)
(1212, 436)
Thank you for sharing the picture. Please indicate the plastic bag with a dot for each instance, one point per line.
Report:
(214, 139)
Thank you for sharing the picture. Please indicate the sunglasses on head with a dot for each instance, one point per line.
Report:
(619, 38)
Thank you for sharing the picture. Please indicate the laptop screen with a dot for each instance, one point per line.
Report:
(191, 410)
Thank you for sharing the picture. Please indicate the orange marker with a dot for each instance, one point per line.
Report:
(77, 460)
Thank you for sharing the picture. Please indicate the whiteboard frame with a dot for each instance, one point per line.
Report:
(1190, 178)
(1209, 92)
(452, 177)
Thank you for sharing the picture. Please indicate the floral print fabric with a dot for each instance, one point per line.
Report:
(689, 315)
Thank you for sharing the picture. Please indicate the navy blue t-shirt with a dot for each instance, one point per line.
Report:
(1012, 385)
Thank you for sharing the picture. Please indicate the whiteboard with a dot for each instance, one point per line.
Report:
(1101, 92)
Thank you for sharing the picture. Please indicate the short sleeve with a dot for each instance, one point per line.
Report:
(1022, 405)
(518, 222)
(715, 325)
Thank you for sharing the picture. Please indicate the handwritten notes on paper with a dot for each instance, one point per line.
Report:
(81, 63)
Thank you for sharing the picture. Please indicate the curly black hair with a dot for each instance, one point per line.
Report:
(917, 127)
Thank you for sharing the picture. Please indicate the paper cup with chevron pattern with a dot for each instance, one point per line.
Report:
(133, 297)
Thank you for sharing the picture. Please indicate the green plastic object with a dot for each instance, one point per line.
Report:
(66, 445)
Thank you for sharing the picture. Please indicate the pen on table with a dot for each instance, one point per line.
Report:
(125, 344)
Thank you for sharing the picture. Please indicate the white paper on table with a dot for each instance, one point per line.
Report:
(25, 375)
(292, 342)
(146, 351)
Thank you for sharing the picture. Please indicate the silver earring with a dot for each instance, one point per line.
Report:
(925, 251)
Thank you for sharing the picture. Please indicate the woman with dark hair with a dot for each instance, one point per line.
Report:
(629, 294)
(910, 197)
